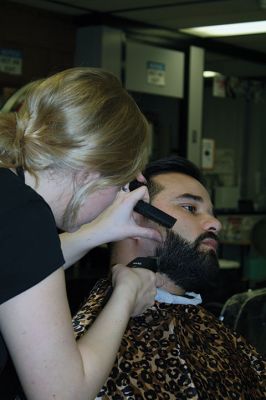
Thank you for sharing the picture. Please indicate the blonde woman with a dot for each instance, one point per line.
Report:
(64, 157)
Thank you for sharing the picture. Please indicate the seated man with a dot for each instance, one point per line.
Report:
(176, 349)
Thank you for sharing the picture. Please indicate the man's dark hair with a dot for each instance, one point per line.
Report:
(167, 165)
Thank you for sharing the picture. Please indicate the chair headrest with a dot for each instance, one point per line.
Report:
(258, 237)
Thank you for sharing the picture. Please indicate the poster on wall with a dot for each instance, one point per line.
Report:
(224, 162)
(225, 165)
(219, 86)
(10, 61)
(156, 73)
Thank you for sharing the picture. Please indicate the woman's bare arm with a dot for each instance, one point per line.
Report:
(37, 329)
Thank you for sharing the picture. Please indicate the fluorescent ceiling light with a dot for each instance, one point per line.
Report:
(243, 28)
(210, 74)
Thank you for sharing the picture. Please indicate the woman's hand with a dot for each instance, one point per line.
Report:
(137, 286)
(118, 221)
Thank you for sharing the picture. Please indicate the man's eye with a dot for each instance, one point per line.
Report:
(190, 208)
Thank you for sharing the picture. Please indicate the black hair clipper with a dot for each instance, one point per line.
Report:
(151, 263)
(151, 212)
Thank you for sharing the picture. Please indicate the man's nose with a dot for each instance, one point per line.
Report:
(212, 224)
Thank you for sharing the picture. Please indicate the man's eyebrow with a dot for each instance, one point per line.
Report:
(190, 196)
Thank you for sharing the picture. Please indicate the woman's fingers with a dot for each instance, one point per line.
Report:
(149, 233)
(140, 283)
(140, 193)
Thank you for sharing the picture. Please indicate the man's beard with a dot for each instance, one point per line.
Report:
(186, 265)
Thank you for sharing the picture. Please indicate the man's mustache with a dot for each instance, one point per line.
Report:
(203, 236)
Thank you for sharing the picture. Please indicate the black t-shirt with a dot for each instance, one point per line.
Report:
(29, 243)
(30, 247)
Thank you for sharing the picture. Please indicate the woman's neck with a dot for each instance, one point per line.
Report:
(56, 191)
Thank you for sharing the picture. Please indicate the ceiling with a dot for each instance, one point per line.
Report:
(159, 21)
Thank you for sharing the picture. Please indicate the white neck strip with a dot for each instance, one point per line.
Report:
(189, 298)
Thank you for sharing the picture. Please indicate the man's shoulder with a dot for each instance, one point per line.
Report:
(91, 307)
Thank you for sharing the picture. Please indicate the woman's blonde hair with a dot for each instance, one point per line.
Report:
(80, 119)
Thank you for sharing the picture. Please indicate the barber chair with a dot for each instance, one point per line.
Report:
(246, 314)
(255, 269)
(228, 283)
(15, 101)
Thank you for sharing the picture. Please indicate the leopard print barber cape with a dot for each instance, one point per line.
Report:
(177, 352)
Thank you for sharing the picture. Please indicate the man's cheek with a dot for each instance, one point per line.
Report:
(185, 232)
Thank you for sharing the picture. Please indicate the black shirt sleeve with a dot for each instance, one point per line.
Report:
(29, 246)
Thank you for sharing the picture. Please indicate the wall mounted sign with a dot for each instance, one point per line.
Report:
(219, 86)
(154, 70)
(156, 73)
(10, 61)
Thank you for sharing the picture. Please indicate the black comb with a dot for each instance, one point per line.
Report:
(151, 212)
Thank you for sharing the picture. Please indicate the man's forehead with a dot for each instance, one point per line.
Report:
(177, 184)
(174, 179)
